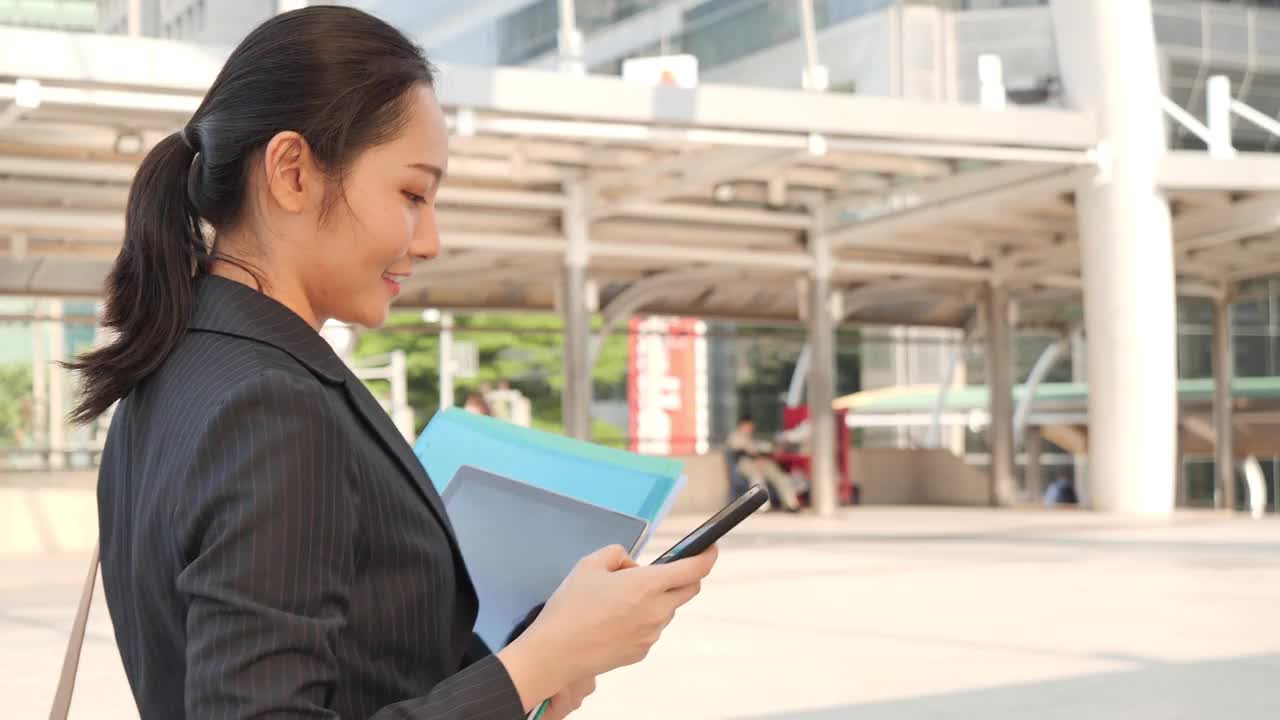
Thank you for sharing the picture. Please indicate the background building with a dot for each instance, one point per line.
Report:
(76, 15)
(919, 50)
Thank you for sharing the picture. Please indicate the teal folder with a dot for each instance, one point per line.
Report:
(638, 485)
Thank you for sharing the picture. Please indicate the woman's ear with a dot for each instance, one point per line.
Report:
(294, 182)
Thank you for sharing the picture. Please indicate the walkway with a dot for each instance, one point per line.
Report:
(881, 615)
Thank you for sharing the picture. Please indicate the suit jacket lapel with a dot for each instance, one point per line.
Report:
(394, 443)
(232, 308)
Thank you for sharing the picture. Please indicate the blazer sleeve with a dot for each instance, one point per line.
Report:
(269, 545)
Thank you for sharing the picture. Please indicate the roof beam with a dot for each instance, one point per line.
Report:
(868, 296)
(62, 193)
(18, 249)
(537, 92)
(100, 224)
(538, 244)
(1202, 229)
(959, 185)
(452, 194)
(726, 165)
(67, 169)
(1256, 271)
(1065, 281)
(610, 184)
(726, 214)
(904, 269)
(1196, 170)
(929, 216)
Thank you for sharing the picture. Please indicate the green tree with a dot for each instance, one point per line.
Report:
(15, 402)
(524, 349)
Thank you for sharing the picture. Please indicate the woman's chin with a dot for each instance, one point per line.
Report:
(372, 315)
(375, 318)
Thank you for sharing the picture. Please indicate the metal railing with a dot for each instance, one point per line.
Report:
(1220, 106)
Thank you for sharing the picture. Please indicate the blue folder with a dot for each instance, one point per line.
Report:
(622, 481)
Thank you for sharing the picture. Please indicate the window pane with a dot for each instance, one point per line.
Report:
(1198, 475)
(1252, 353)
(1195, 355)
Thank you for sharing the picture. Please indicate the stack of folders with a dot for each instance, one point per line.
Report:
(526, 505)
(639, 485)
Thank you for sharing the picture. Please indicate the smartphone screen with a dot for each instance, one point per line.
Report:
(715, 528)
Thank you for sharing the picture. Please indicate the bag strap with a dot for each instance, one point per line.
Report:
(71, 663)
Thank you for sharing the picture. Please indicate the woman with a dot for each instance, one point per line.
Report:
(270, 545)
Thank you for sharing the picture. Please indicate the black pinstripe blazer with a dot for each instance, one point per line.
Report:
(270, 545)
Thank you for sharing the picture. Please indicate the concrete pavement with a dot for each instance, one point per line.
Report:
(883, 614)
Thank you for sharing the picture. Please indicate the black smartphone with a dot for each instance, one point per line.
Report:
(715, 528)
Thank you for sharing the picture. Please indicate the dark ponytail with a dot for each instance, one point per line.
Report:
(336, 75)
(148, 300)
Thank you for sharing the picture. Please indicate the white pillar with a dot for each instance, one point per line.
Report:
(576, 396)
(570, 40)
(1107, 52)
(39, 380)
(992, 93)
(401, 413)
(1218, 116)
(1224, 466)
(135, 18)
(815, 76)
(446, 361)
(822, 373)
(57, 331)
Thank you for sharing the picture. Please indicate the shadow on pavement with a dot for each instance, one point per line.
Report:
(1243, 688)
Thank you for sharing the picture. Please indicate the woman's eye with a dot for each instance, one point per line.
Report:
(415, 198)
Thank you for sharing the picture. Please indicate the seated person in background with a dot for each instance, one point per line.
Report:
(755, 464)
(1061, 492)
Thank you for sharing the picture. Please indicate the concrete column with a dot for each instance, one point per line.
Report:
(1180, 475)
(576, 398)
(39, 380)
(570, 40)
(1000, 394)
(1034, 475)
(1107, 52)
(1080, 374)
(57, 387)
(1224, 466)
(401, 413)
(135, 18)
(447, 398)
(815, 76)
(822, 373)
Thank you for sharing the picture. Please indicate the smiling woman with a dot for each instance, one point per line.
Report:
(271, 547)
(322, 198)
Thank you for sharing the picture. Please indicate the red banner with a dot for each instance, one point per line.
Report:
(668, 392)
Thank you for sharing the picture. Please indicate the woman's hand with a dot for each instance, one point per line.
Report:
(569, 699)
(607, 614)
